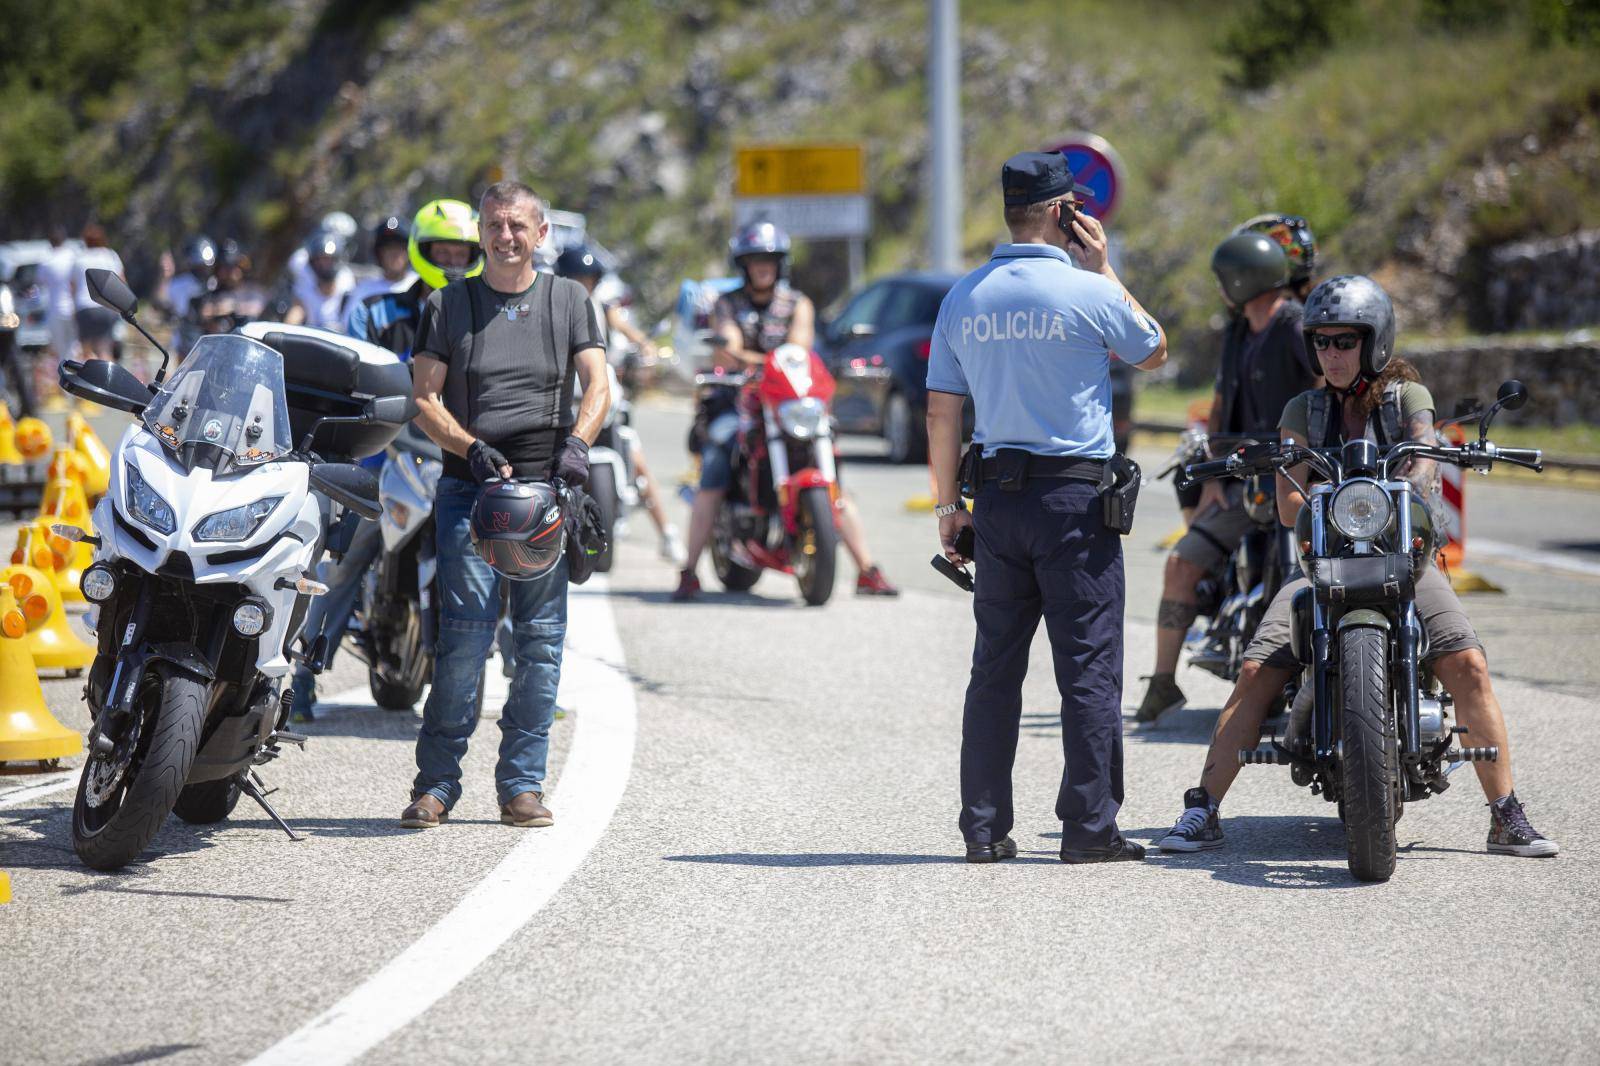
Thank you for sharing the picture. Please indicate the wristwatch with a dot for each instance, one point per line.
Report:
(949, 509)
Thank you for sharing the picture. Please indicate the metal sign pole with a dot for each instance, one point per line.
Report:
(944, 135)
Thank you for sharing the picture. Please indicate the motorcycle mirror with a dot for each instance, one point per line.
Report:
(105, 383)
(1512, 395)
(391, 409)
(110, 291)
(348, 485)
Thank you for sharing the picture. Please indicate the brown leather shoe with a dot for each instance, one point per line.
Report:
(527, 811)
(425, 812)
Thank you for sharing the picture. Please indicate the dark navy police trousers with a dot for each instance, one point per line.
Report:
(1044, 551)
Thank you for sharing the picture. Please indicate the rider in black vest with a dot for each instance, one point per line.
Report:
(1264, 364)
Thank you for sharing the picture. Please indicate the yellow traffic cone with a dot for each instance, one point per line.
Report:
(33, 439)
(51, 642)
(28, 731)
(97, 458)
(68, 464)
(8, 438)
(57, 557)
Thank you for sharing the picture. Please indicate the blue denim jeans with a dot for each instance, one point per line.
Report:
(469, 607)
(329, 614)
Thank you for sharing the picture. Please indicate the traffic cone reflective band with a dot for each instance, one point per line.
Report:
(8, 438)
(97, 458)
(69, 465)
(28, 731)
(33, 439)
(1453, 549)
(51, 641)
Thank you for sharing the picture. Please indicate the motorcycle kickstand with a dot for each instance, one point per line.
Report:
(250, 785)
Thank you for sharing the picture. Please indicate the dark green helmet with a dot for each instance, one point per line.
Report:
(1359, 302)
(1247, 265)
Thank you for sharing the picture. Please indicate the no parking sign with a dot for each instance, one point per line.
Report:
(1096, 166)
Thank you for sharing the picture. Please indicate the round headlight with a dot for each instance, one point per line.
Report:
(1362, 510)
(98, 583)
(250, 618)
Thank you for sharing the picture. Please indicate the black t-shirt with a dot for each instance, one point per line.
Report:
(1260, 372)
(511, 365)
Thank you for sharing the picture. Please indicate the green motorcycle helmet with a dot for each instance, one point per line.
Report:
(1247, 265)
(443, 220)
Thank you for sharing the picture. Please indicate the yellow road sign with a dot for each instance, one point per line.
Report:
(799, 170)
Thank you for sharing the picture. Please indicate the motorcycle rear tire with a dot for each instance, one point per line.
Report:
(209, 802)
(401, 694)
(734, 578)
(603, 487)
(1370, 766)
(815, 570)
(169, 738)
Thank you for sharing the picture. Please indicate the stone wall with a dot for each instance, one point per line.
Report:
(1562, 374)
(1544, 284)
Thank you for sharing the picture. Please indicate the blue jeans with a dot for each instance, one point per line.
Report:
(329, 614)
(469, 607)
(1044, 552)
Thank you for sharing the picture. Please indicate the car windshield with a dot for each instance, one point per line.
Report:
(224, 407)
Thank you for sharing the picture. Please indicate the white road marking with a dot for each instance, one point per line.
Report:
(44, 786)
(1562, 561)
(592, 783)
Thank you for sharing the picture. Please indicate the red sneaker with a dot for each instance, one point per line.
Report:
(688, 587)
(871, 582)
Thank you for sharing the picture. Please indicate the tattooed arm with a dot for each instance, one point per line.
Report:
(1422, 473)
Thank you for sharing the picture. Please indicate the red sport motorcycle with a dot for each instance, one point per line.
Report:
(780, 510)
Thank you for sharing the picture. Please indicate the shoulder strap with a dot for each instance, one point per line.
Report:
(1317, 407)
(1389, 413)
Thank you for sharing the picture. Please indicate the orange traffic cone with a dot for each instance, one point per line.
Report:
(8, 438)
(51, 642)
(97, 458)
(28, 731)
(33, 439)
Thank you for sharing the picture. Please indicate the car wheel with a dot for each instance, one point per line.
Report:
(907, 436)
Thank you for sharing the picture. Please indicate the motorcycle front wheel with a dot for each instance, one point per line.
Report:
(817, 550)
(124, 798)
(1370, 765)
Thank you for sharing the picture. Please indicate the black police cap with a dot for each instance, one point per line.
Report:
(1034, 177)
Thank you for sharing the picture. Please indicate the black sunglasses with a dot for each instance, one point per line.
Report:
(1345, 342)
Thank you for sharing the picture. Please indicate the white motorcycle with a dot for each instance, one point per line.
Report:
(209, 536)
(613, 479)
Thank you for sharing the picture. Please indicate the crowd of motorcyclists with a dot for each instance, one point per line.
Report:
(1297, 365)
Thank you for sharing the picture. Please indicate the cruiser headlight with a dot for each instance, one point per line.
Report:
(236, 523)
(143, 504)
(1362, 510)
(803, 419)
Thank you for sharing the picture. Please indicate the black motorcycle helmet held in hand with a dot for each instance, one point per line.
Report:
(1356, 301)
(1248, 265)
(579, 262)
(518, 528)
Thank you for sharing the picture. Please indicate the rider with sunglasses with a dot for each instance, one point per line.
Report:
(1264, 363)
(1349, 322)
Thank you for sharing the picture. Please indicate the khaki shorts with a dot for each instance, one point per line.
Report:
(1213, 535)
(1441, 612)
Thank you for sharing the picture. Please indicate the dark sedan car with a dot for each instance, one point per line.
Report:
(877, 348)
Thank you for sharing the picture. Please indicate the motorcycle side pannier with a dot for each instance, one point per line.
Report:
(331, 377)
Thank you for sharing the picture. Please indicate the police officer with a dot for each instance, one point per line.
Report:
(1029, 335)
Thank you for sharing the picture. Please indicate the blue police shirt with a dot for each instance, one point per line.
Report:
(1029, 336)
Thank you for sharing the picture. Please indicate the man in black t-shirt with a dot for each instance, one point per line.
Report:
(1264, 364)
(495, 362)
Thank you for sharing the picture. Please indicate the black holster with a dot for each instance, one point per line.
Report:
(1119, 493)
(969, 473)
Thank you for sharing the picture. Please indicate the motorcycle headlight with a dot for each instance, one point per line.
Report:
(1362, 510)
(146, 506)
(803, 419)
(251, 618)
(236, 523)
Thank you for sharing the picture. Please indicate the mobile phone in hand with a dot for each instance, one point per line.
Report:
(1068, 216)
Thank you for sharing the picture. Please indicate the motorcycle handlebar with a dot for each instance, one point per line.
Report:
(1532, 458)
(1207, 470)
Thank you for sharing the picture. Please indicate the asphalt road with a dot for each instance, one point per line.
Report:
(756, 859)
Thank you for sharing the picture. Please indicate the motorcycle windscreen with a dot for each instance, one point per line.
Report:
(224, 408)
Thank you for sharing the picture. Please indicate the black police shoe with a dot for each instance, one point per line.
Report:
(1124, 850)
(1003, 849)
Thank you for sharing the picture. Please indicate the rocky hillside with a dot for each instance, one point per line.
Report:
(1417, 135)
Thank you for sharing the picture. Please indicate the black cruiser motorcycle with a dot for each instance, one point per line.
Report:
(1377, 732)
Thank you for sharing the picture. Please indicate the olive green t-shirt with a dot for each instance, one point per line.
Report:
(1414, 397)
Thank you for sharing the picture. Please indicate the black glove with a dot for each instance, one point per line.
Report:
(571, 463)
(485, 460)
